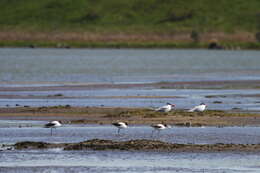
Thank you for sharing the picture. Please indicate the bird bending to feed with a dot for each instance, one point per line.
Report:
(199, 108)
(120, 125)
(52, 124)
(167, 108)
(159, 127)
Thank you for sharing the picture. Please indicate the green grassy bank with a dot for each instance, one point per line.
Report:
(129, 23)
(70, 44)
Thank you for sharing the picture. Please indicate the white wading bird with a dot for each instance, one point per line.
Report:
(120, 125)
(199, 108)
(52, 124)
(167, 108)
(159, 127)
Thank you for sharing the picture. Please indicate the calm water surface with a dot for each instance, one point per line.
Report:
(187, 98)
(57, 160)
(33, 131)
(117, 161)
(44, 67)
(125, 65)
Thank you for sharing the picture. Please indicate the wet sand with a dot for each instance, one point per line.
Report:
(225, 84)
(107, 115)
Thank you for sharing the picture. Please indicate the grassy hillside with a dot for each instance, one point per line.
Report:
(204, 15)
(130, 16)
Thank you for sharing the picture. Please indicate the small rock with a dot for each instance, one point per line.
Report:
(67, 106)
(215, 45)
(217, 102)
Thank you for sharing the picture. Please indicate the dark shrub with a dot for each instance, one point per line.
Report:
(257, 36)
(195, 36)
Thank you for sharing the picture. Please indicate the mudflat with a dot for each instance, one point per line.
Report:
(138, 145)
(224, 84)
(106, 115)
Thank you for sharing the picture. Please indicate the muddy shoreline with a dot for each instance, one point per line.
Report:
(134, 116)
(225, 84)
(138, 145)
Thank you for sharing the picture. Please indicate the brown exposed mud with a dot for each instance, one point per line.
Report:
(138, 145)
(106, 115)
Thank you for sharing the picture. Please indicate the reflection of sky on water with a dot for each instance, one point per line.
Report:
(54, 160)
(126, 65)
(189, 98)
(34, 131)
(55, 67)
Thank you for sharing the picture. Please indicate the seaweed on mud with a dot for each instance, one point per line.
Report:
(123, 114)
(56, 95)
(128, 113)
(85, 121)
(106, 115)
(60, 106)
(215, 96)
(138, 145)
(31, 145)
(141, 144)
(155, 114)
(217, 102)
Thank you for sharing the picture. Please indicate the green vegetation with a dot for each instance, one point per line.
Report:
(133, 15)
(83, 44)
(162, 18)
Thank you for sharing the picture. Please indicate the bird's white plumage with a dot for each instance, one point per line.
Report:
(199, 108)
(166, 108)
(53, 124)
(120, 125)
(159, 126)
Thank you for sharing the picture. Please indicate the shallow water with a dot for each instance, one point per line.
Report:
(118, 161)
(54, 67)
(125, 65)
(10, 132)
(57, 160)
(187, 98)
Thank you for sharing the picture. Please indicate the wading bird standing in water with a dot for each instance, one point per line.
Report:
(159, 127)
(120, 125)
(52, 124)
(167, 108)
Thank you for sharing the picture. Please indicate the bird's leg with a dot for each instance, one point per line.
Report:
(159, 132)
(118, 131)
(152, 133)
(51, 131)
